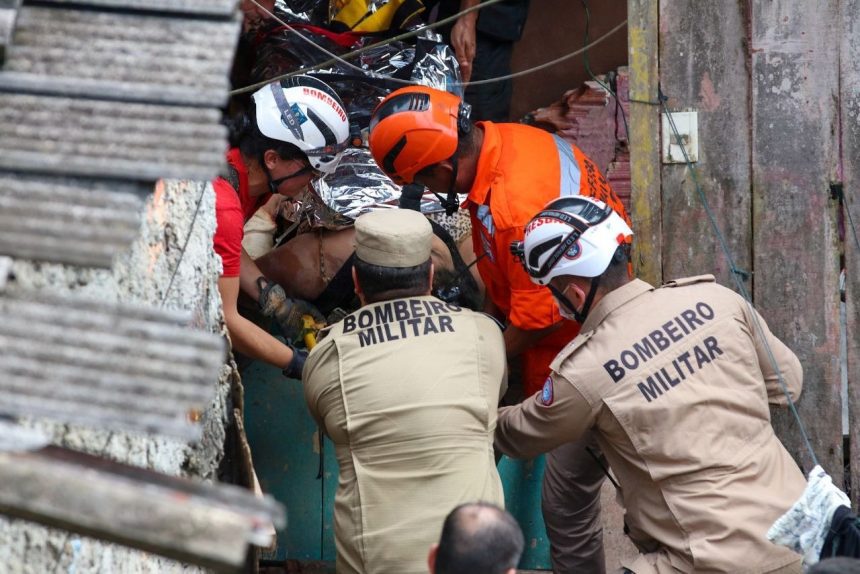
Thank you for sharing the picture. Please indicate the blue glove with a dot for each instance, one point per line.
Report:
(294, 369)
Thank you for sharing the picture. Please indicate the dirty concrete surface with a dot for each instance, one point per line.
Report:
(141, 275)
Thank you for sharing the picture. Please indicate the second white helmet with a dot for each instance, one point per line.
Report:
(575, 236)
(307, 113)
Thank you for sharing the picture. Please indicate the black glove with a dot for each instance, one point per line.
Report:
(286, 311)
(294, 369)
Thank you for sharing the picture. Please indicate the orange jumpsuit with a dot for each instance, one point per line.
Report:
(520, 169)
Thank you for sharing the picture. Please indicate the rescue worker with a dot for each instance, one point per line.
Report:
(295, 129)
(407, 387)
(509, 171)
(675, 382)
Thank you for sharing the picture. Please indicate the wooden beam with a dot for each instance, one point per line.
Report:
(703, 69)
(645, 139)
(795, 157)
(849, 100)
(207, 525)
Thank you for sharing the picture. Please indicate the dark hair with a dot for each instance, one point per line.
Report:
(617, 273)
(836, 566)
(380, 283)
(479, 537)
(244, 134)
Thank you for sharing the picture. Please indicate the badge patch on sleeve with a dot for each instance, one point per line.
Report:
(546, 395)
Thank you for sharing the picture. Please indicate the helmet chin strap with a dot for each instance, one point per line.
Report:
(580, 316)
(450, 202)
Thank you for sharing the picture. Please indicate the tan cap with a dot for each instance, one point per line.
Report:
(393, 238)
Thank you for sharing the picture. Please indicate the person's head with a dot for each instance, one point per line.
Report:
(297, 128)
(477, 537)
(836, 566)
(419, 134)
(392, 255)
(578, 247)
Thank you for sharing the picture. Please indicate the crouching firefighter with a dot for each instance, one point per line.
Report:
(407, 387)
(295, 130)
(675, 382)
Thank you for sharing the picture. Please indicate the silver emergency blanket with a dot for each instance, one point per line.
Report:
(358, 184)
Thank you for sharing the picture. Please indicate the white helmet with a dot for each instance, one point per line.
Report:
(575, 236)
(307, 113)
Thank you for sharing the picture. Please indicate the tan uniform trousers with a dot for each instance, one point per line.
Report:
(570, 500)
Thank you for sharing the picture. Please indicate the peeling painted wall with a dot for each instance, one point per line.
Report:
(175, 242)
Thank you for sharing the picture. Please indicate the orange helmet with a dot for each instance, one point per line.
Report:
(414, 128)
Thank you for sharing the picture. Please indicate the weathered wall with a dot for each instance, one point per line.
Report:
(176, 214)
(770, 118)
(850, 175)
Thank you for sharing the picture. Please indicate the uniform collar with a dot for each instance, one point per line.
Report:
(612, 301)
(488, 160)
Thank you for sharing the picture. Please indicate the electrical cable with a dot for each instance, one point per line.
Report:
(851, 222)
(737, 274)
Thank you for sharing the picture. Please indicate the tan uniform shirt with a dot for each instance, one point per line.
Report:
(676, 384)
(408, 392)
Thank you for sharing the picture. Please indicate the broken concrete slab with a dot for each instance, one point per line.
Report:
(113, 366)
(202, 524)
(8, 16)
(103, 139)
(120, 56)
(215, 8)
(67, 221)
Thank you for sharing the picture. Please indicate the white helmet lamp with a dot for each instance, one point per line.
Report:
(306, 112)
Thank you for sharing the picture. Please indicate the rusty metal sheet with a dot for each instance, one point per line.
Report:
(202, 524)
(703, 68)
(66, 221)
(102, 364)
(103, 139)
(214, 8)
(794, 87)
(119, 56)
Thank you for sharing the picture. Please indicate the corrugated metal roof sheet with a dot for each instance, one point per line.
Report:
(66, 221)
(106, 139)
(201, 7)
(120, 56)
(116, 366)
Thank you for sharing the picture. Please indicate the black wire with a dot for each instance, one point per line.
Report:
(184, 246)
(851, 222)
(606, 86)
(737, 274)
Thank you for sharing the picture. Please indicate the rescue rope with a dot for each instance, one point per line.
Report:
(349, 55)
(737, 274)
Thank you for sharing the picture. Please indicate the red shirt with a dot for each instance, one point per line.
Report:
(233, 207)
